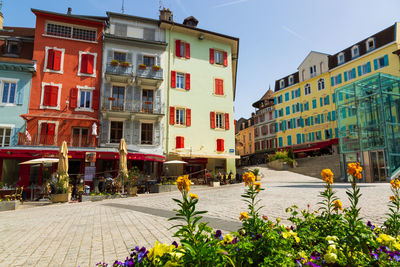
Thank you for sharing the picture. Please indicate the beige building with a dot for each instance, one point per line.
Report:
(244, 139)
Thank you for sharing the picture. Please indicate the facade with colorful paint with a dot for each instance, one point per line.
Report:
(16, 71)
(201, 82)
(133, 91)
(244, 139)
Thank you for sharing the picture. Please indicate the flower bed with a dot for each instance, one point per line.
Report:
(9, 204)
(330, 236)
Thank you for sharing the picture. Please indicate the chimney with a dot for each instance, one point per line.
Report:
(191, 22)
(69, 11)
(1, 20)
(166, 14)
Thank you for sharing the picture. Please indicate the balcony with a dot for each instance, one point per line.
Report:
(53, 140)
(119, 73)
(132, 109)
(149, 76)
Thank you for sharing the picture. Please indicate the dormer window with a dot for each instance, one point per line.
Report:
(291, 80)
(313, 71)
(370, 44)
(281, 84)
(340, 58)
(355, 51)
(12, 47)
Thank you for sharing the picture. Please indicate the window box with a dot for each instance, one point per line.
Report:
(125, 64)
(142, 66)
(111, 98)
(114, 63)
(156, 68)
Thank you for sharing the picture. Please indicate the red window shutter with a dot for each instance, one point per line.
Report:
(177, 142)
(226, 121)
(187, 50)
(50, 59)
(225, 59)
(84, 63)
(89, 64)
(222, 147)
(57, 60)
(95, 100)
(188, 117)
(173, 79)
(172, 115)
(73, 94)
(178, 48)
(182, 142)
(212, 119)
(47, 95)
(212, 56)
(219, 86)
(187, 85)
(43, 129)
(54, 96)
(51, 130)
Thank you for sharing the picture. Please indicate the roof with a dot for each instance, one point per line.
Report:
(381, 38)
(269, 95)
(286, 79)
(17, 32)
(69, 16)
(55, 115)
(312, 52)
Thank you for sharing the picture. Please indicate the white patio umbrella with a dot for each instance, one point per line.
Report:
(175, 162)
(40, 161)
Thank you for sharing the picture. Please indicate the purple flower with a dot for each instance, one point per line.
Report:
(258, 236)
(218, 233)
(235, 240)
(370, 225)
(175, 244)
(291, 227)
(375, 256)
(315, 255)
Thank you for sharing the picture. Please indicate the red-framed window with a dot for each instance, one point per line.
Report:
(180, 142)
(47, 133)
(180, 116)
(220, 145)
(218, 57)
(50, 96)
(219, 86)
(182, 49)
(87, 63)
(217, 121)
(54, 59)
(180, 80)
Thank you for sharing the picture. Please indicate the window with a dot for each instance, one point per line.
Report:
(280, 112)
(149, 61)
(321, 84)
(291, 80)
(313, 71)
(147, 134)
(307, 89)
(87, 64)
(54, 59)
(349, 75)
(72, 32)
(340, 58)
(218, 57)
(118, 97)
(219, 87)
(85, 98)
(370, 44)
(364, 69)
(47, 133)
(355, 51)
(179, 142)
(180, 116)
(147, 101)
(282, 84)
(296, 93)
(13, 47)
(50, 96)
(287, 96)
(249, 136)
(264, 130)
(80, 137)
(116, 130)
(318, 135)
(219, 120)
(5, 136)
(335, 80)
(8, 91)
(381, 62)
(220, 145)
(119, 56)
(180, 80)
(182, 49)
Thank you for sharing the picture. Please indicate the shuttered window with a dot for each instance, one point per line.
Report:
(219, 87)
(53, 59)
(87, 63)
(218, 57)
(47, 133)
(182, 49)
(220, 145)
(180, 142)
(50, 96)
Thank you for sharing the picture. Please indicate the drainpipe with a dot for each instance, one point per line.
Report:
(168, 90)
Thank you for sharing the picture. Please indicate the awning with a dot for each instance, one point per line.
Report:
(40, 161)
(53, 115)
(210, 156)
(306, 149)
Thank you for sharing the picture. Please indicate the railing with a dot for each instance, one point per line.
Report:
(52, 140)
(149, 73)
(148, 107)
(119, 70)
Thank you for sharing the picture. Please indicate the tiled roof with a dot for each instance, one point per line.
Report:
(17, 32)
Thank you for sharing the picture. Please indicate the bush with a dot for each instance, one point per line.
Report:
(330, 236)
(282, 156)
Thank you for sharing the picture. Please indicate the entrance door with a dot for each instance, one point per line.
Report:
(378, 164)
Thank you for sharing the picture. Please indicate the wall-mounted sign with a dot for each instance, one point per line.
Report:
(232, 150)
(90, 157)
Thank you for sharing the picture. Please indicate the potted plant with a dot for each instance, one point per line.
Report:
(132, 181)
(155, 67)
(60, 186)
(125, 64)
(114, 63)
(142, 66)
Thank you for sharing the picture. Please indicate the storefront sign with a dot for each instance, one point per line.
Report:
(90, 157)
(90, 173)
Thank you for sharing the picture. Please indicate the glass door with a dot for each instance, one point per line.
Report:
(118, 96)
(378, 165)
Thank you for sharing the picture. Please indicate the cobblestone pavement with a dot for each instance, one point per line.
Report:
(82, 234)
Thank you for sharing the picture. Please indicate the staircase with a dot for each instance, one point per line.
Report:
(314, 165)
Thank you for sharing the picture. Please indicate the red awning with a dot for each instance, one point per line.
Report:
(53, 115)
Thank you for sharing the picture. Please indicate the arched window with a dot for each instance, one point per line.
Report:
(355, 51)
(307, 89)
(340, 58)
(282, 84)
(370, 44)
(321, 84)
(291, 80)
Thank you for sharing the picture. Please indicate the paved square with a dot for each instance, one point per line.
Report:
(82, 234)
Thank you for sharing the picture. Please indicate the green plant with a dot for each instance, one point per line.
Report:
(114, 62)
(133, 176)
(61, 183)
(256, 172)
(393, 222)
(290, 153)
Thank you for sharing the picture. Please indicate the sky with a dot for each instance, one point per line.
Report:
(275, 35)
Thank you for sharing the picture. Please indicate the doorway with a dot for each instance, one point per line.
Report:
(378, 165)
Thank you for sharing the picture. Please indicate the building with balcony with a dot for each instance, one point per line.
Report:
(201, 83)
(16, 71)
(331, 88)
(133, 89)
(244, 141)
(264, 127)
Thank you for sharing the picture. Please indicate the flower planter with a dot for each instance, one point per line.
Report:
(155, 68)
(156, 188)
(125, 65)
(9, 205)
(111, 98)
(132, 190)
(114, 63)
(277, 165)
(215, 184)
(59, 198)
(142, 67)
(86, 198)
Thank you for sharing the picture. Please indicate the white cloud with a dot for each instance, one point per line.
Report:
(295, 34)
(230, 3)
